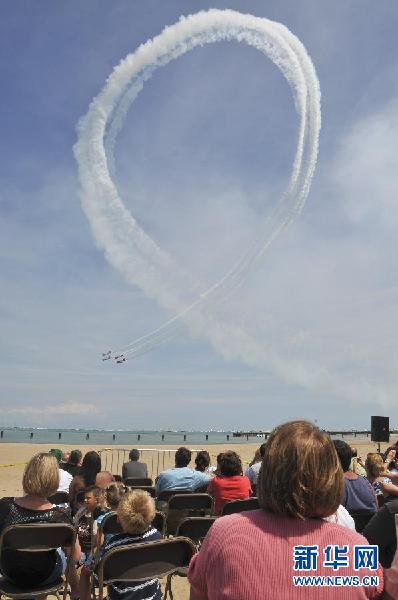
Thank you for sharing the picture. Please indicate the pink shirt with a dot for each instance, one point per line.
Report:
(250, 556)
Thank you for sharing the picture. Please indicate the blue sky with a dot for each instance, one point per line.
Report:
(204, 154)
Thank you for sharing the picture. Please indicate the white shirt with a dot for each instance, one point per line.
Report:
(64, 481)
(253, 472)
(341, 517)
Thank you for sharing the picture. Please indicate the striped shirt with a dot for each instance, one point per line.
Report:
(140, 590)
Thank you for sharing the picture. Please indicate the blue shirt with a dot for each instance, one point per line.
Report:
(181, 478)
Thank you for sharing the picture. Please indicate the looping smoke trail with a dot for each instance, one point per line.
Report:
(127, 247)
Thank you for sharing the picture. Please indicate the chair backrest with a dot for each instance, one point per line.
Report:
(138, 481)
(195, 528)
(37, 536)
(236, 506)
(139, 562)
(191, 502)
(110, 524)
(361, 519)
(167, 494)
(59, 498)
(159, 522)
(147, 488)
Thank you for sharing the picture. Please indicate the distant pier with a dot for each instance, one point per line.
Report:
(341, 432)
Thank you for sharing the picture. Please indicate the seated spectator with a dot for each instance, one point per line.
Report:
(64, 477)
(181, 477)
(83, 521)
(253, 470)
(109, 502)
(135, 468)
(377, 477)
(74, 463)
(356, 465)
(357, 493)
(390, 459)
(136, 512)
(229, 484)
(255, 554)
(28, 569)
(202, 461)
(103, 479)
(91, 466)
(64, 460)
(380, 531)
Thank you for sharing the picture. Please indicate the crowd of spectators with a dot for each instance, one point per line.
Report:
(315, 496)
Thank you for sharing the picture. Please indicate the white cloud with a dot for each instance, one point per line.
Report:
(54, 409)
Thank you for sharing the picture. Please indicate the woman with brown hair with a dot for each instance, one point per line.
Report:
(229, 484)
(259, 554)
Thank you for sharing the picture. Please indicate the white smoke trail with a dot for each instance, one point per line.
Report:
(126, 245)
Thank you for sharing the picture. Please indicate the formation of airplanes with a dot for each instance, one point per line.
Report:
(119, 358)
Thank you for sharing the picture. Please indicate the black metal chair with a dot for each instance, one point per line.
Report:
(236, 506)
(195, 528)
(187, 505)
(111, 526)
(59, 498)
(361, 518)
(34, 538)
(147, 488)
(138, 481)
(167, 494)
(140, 562)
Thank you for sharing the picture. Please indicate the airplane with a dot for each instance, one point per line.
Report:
(120, 359)
(106, 355)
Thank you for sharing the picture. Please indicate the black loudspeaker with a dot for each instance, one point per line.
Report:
(380, 429)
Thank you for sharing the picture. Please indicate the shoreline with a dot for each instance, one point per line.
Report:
(14, 455)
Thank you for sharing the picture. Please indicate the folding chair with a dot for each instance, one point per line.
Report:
(110, 524)
(236, 506)
(195, 528)
(187, 505)
(167, 494)
(34, 538)
(147, 488)
(140, 562)
(138, 481)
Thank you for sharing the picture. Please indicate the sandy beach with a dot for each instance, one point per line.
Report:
(13, 458)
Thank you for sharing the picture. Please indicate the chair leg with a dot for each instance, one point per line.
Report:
(167, 589)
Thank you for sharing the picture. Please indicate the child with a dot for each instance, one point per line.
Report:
(84, 519)
(136, 512)
(109, 503)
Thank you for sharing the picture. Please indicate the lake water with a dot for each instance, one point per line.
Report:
(77, 437)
